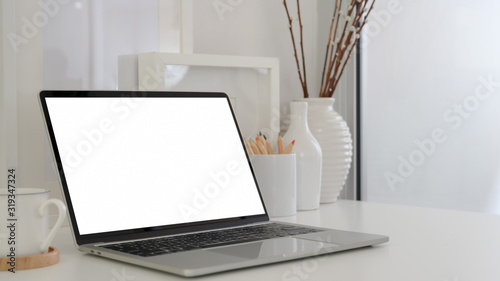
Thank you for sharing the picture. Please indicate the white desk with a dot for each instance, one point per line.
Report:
(425, 245)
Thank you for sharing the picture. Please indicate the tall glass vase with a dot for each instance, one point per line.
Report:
(334, 137)
(308, 157)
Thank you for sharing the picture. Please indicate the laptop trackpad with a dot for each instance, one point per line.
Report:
(281, 247)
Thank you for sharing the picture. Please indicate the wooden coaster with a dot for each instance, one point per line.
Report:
(43, 260)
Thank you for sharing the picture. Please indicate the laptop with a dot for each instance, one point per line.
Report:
(163, 180)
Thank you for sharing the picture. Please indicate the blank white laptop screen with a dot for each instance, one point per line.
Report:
(160, 161)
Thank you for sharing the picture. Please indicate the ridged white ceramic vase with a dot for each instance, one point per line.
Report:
(308, 158)
(334, 137)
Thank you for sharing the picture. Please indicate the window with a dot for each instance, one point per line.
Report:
(430, 99)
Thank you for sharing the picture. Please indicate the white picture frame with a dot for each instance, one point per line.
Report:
(252, 83)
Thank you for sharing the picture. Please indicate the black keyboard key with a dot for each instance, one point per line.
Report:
(227, 243)
(165, 245)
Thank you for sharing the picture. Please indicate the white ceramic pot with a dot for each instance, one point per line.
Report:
(334, 137)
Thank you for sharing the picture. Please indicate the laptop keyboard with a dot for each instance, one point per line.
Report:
(180, 243)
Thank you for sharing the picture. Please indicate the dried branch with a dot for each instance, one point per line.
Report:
(354, 44)
(339, 54)
(335, 52)
(345, 29)
(330, 43)
(290, 27)
(306, 93)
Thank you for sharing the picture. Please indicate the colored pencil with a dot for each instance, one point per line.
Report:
(262, 148)
(281, 147)
(249, 148)
(289, 147)
(255, 149)
(269, 147)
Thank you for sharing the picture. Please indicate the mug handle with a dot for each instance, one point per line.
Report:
(62, 215)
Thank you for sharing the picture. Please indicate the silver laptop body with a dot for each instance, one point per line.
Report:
(142, 166)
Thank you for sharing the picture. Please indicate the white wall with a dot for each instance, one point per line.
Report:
(430, 105)
(257, 28)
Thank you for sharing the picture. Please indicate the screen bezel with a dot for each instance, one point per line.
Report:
(146, 232)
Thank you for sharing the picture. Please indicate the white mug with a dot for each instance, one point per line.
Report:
(277, 182)
(29, 229)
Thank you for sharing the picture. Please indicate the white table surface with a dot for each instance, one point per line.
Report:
(425, 244)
